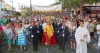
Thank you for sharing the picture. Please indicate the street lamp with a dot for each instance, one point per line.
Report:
(12, 6)
(30, 9)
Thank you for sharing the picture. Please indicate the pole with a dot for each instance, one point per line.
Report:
(1, 9)
(12, 8)
(30, 9)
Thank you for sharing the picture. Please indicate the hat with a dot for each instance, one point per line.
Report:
(48, 18)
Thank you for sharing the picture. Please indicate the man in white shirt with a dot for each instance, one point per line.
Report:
(82, 37)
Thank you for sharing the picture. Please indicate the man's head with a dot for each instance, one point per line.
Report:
(64, 23)
(38, 22)
(86, 19)
(81, 23)
(33, 22)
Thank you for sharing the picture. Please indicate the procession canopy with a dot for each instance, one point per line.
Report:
(52, 8)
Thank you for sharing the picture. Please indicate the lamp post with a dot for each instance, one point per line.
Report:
(30, 9)
(12, 6)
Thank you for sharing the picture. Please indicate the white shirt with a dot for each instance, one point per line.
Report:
(68, 23)
(98, 27)
(86, 24)
(26, 25)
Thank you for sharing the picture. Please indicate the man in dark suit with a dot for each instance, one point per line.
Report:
(63, 32)
(56, 29)
(39, 24)
(36, 34)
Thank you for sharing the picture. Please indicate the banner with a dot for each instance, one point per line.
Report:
(22, 39)
(52, 8)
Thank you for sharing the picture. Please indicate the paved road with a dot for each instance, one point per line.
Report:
(45, 49)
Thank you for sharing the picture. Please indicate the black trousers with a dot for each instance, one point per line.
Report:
(92, 34)
(35, 42)
(40, 37)
(62, 43)
(57, 37)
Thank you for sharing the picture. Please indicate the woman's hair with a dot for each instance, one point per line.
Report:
(91, 21)
(20, 24)
(8, 20)
(26, 21)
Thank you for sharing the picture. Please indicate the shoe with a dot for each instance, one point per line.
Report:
(24, 48)
(63, 50)
(8, 49)
(59, 47)
(29, 43)
(19, 51)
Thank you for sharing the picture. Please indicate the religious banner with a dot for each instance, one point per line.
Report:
(22, 39)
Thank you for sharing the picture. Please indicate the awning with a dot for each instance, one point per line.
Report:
(98, 4)
(53, 8)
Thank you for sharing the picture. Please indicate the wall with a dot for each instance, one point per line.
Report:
(1, 6)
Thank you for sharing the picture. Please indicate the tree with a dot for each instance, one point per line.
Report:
(75, 3)
(25, 10)
(4, 10)
(18, 14)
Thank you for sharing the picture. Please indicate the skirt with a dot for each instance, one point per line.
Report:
(92, 34)
(52, 42)
(8, 40)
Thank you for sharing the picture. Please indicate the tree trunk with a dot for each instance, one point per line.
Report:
(81, 11)
(69, 12)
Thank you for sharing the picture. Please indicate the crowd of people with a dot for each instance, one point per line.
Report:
(51, 31)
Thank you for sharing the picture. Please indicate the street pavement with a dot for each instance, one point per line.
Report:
(49, 49)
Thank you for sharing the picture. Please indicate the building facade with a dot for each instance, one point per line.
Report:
(1, 7)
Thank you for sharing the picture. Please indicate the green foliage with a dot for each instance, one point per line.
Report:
(75, 3)
(3, 9)
(25, 11)
(17, 14)
(28, 11)
(74, 16)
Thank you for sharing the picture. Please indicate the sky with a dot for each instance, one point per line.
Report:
(27, 2)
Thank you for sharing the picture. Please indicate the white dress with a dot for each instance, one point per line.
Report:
(79, 34)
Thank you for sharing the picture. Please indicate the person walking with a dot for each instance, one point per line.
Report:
(63, 32)
(8, 32)
(82, 37)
